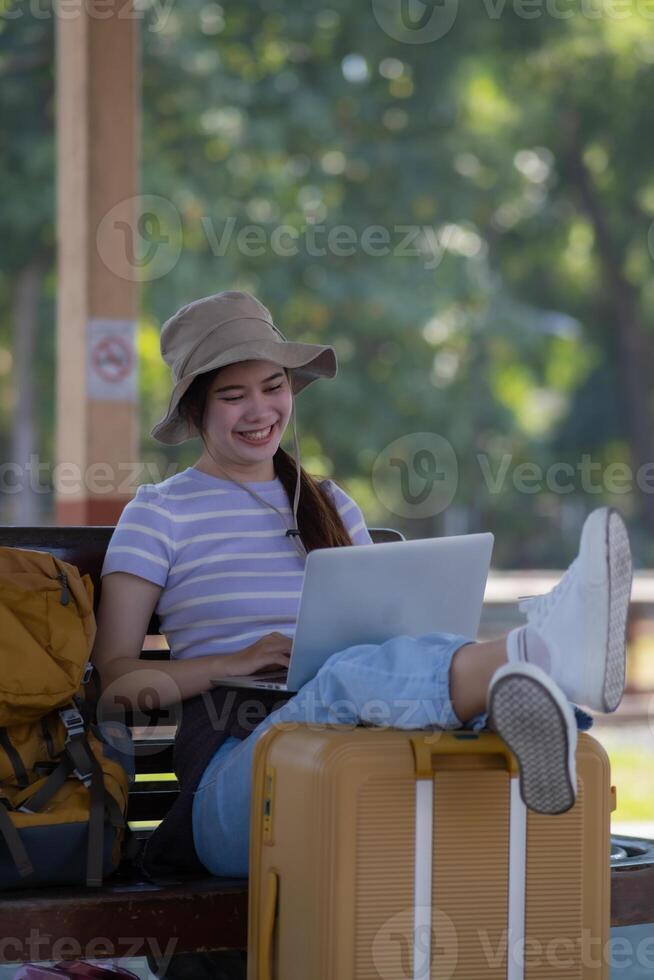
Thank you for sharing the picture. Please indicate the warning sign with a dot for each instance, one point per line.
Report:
(111, 360)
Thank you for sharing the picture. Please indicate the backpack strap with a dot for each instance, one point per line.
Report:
(78, 760)
(56, 779)
(87, 768)
(95, 853)
(92, 684)
(14, 758)
(14, 844)
(98, 797)
(47, 738)
(75, 746)
(74, 762)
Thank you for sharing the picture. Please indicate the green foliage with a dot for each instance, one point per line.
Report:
(499, 331)
(27, 182)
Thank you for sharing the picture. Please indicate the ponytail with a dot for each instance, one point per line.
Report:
(319, 523)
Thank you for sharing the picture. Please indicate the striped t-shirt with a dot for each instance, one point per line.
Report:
(230, 574)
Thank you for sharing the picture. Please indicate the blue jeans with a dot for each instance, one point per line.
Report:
(402, 683)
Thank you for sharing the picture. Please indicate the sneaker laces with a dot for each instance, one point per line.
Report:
(538, 607)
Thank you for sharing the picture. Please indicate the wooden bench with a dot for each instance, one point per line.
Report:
(130, 916)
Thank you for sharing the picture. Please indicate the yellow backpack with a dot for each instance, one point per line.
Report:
(63, 785)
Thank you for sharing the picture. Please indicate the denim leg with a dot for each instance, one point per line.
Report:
(402, 683)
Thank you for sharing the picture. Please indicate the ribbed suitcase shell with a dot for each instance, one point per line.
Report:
(332, 851)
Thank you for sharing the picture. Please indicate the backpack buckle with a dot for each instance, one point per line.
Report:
(88, 673)
(76, 747)
(73, 722)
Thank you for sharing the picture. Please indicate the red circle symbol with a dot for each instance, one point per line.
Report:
(112, 358)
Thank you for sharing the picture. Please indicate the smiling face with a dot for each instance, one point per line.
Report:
(248, 406)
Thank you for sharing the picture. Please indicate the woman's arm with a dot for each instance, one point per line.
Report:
(126, 606)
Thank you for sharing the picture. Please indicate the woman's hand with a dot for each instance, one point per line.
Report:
(270, 652)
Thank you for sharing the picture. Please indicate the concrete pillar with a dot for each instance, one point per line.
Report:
(97, 184)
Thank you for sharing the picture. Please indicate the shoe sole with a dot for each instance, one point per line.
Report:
(532, 722)
(620, 576)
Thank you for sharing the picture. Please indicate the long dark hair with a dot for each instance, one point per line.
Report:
(318, 521)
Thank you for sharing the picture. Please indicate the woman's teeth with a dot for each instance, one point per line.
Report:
(257, 436)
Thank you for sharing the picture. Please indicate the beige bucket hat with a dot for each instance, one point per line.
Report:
(223, 329)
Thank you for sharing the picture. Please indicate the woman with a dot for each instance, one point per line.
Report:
(218, 551)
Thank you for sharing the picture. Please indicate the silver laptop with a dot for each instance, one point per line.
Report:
(370, 593)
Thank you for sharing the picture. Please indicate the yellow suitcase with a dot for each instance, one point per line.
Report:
(381, 854)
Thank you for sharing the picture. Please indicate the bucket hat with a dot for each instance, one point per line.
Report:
(223, 329)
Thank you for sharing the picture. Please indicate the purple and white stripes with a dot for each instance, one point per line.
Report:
(229, 574)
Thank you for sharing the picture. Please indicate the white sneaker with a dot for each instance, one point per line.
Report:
(583, 620)
(532, 715)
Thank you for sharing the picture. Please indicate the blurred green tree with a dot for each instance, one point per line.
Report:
(465, 220)
(26, 248)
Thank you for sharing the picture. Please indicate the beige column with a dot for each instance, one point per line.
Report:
(97, 184)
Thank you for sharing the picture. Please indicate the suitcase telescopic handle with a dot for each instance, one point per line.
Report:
(425, 747)
(268, 913)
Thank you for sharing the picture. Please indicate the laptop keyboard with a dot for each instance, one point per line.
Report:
(271, 675)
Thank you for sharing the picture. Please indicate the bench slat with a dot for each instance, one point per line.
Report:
(134, 918)
(152, 802)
